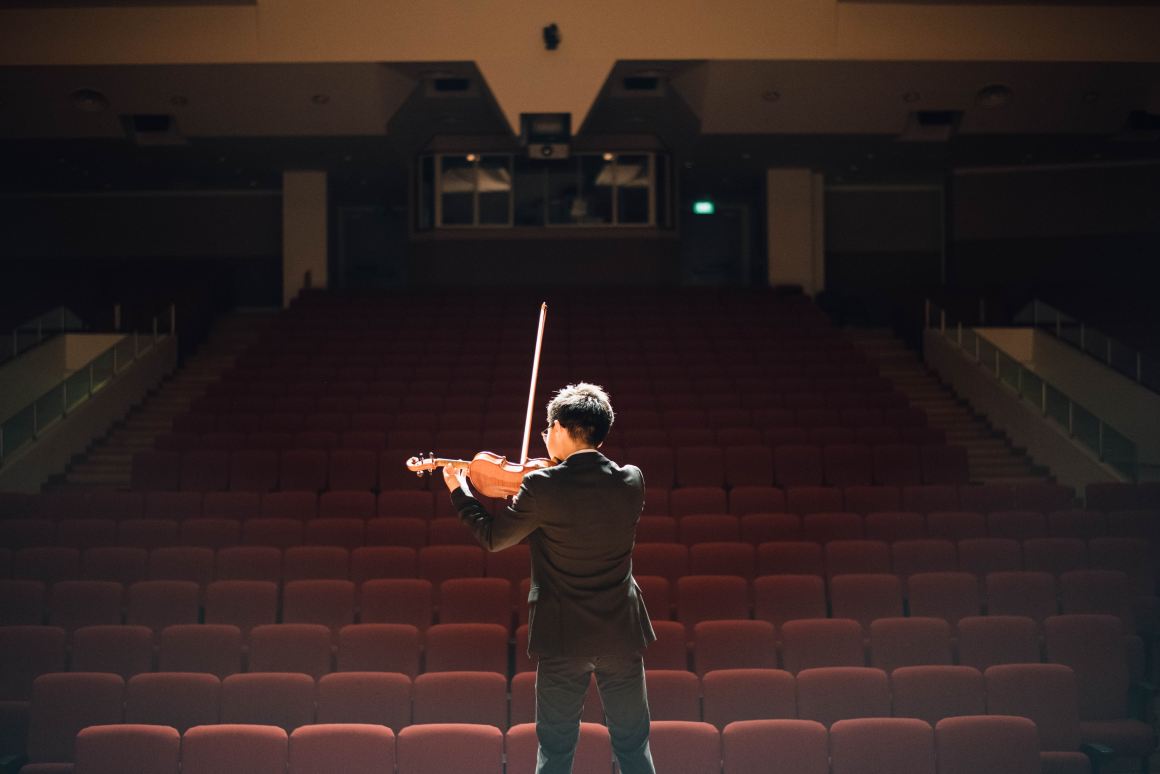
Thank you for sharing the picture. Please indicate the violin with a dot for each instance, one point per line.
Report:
(491, 473)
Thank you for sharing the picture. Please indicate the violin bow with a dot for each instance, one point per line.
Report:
(532, 389)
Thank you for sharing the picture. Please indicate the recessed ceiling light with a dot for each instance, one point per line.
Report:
(608, 157)
(993, 96)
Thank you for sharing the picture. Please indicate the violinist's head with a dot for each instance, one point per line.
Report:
(584, 412)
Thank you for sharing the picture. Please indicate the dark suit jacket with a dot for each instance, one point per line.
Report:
(580, 520)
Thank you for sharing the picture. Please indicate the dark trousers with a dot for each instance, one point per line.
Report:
(561, 683)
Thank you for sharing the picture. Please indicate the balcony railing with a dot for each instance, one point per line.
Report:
(38, 330)
(1082, 425)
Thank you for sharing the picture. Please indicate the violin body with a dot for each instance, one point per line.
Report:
(492, 474)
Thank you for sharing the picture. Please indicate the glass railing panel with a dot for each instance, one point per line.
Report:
(102, 368)
(125, 353)
(19, 429)
(1095, 344)
(1031, 388)
(1072, 333)
(970, 340)
(49, 407)
(987, 353)
(77, 388)
(1057, 406)
(1086, 428)
(1150, 373)
(1009, 371)
(1119, 452)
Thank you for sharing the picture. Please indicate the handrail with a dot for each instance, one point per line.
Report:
(27, 425)
(1081, 425)
(30, 333)
(1128, 361)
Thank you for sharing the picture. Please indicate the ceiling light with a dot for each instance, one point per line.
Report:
(608, 157)
(471, 157)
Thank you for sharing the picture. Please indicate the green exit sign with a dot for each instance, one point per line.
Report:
(703, 207)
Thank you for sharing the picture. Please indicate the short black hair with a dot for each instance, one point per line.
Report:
(584, 409)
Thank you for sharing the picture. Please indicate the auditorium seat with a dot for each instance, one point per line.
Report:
(901, 642)
(846, 465)
(397, 601)
(121, 564)
(371, 647)
(210, 533)
(254, 470)
(864, 597)
(290, 647)
(708, 528)
(476, 600)
(930, 498)
(867, 500)
(353, 748)
(22, 602)
(882, 746)
(47, 564)
(649, 529)
(760, 746)
(593, 749)
(827, 526)
(781, 598)
(1030, 594)
(382, 698)
(790, 558)
(289, 505)
(1055, 555)
(956, 525)
(1097, 591)
(856, 556)
(722, 558)
(697, 500)
(278, 699)
(63, 704)
(830, 694)
(731, 695)
(183, 563)
(1016, 524)
(173, 699)
(998, 639)
(86, 533)
(204, 471)
(669, 651)
(371, 562)
(1093, 646)
(673, 695)
(657, 463)
(950, 596)
(796, 465)
(26, 652)
(147, 533)
(277, 533)
(944, 464)
(934, 692)
(711, 597)
(666, 560)
(1045, 694)
(255, 749)
(445, 747)
(806, 499)
(113, 749)
(736, 644)
(983, 556)
(440, 563)
(241, 603)
(460, 647)
(1078, 524)
(397, 531)
(912, 557)
(685, 747)
(315, 562)
(757, 528)
(747, 498)
(249, 563)
(478, 697)
(997, 744)
(330, 603)
(823, 642)
(748, 463)
(449, 531)
(303, 470)
(1131, 556)
(73, 604)
(121, 649)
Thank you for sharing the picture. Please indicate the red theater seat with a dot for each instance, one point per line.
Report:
(685, 747)
(830, 694)
(902, 642)
(145, 749)
(998, 639)
(63, 704)
(593, 749)
(932, 693)
(826, 642)
(173, 699)
(446, 747)
(381, 698)
(478, 697)
(760, 746)
(467, 647)
(873, 745)
(255, 749)
(997, 744)
(121, 650)
(278, 699)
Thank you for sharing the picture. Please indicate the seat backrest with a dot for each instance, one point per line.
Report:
(823, 642)
(440, 747)
(932, 693)
(997, 744)
(255, 749)
(352, 748)
(477, 647)
(593, 749)
(760, 746)
(63, 704)
(730, 695)
(882, 746)
(737, 644)
(1093, 646)
(1044, 693)
(679, 745)
(461, 697)
(215, 649)
(899, 642)
(998, 639)
(290, 647)
(145, 749)
(178, 699)
(830, 694)
(382, 698)
(26, 652)
(278, 699)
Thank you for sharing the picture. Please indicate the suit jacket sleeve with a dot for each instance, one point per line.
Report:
(508, 527)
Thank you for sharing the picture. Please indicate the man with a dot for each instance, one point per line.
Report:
(586, 611)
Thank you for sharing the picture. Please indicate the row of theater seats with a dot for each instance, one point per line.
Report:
(996, 744)
(671, 424)
(794, 645)
(416, 501)
(890, 709)
(774, 600)
(222, 465)
(1052, 557)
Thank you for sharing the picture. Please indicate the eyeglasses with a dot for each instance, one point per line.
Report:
(544, 433)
